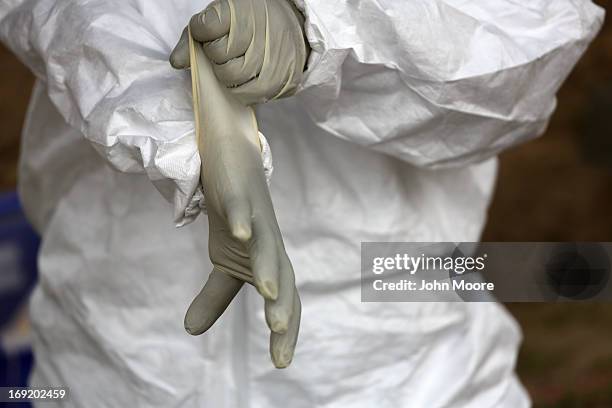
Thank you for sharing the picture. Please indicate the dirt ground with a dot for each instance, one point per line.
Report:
(556, 188)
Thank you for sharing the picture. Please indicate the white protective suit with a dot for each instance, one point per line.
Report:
(392, 137)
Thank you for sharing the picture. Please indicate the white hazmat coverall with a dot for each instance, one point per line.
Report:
(391, 137)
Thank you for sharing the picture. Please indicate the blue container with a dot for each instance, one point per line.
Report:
(18, 250)
(18, 253)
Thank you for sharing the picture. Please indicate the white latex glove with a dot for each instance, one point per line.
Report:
(257, 46)
(245, 243)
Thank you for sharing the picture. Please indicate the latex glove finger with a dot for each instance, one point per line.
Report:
(221, 50)
(238, 71)
(280, 311)
(250, 92)
(179, 58)
(205, 26)
(218, 292)
(264, 261)
(211, 23)
(246, 28)
(282, 346)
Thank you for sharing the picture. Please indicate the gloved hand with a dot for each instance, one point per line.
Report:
(257, 46)
(245, 243)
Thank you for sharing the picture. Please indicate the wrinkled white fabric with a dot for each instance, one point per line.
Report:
(467, 78)
(395, 91)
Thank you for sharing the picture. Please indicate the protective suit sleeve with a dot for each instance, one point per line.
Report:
(440, 83)
(105, 67)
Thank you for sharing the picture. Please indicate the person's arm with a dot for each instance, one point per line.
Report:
(105, 67)
(440, 82)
